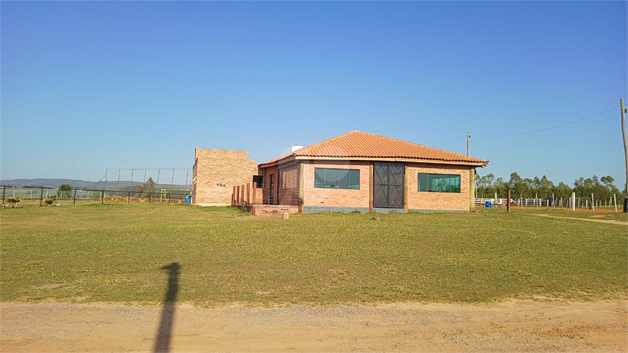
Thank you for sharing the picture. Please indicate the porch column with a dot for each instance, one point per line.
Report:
(405, 188)
(301, 179)
(472, 189)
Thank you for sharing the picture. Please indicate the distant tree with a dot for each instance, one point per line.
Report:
(501, 187)
(562, 191)
(543, 187)
(148, 187)
(64, 191)
(484, 185)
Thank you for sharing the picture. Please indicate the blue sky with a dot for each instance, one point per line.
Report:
(88, 86)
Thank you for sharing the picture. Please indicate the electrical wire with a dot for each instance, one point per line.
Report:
(534, 131)
(552, 127)
(451, 141)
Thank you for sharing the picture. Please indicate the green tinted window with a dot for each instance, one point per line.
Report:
(439, 183)
(328, 178)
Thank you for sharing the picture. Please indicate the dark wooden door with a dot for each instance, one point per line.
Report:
(388, 185)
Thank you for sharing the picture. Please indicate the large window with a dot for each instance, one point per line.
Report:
(439, 182)
(336, 178)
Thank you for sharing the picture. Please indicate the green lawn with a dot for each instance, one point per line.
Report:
(113, 253)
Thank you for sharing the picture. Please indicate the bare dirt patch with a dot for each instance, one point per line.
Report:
(585, 219)
(514, 326)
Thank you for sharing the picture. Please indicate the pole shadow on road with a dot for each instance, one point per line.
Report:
(162, 341)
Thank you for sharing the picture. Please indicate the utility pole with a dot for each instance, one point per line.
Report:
(469, 137)
(623, 132)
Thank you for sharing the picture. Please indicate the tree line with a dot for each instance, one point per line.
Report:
(602, 188)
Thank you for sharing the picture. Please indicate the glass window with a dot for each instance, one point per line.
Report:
(328, 178)
(439, 183)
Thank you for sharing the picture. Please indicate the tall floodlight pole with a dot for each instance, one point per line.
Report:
(623, 132)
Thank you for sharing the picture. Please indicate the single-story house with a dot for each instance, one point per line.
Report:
(359, 171)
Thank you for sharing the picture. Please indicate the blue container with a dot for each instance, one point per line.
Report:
(188, 199)
(489, 204)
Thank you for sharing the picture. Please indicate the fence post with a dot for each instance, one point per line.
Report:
(254, 193)
(41, 197)
(128, 198)
(74, 198)
(573, 201)
(508, 201)
(615, 201)
(4, 190)
(102, 197)
(238, 195)
(592, 203)
(248, 193)
(233, 196)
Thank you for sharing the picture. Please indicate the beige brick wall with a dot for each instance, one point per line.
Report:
(216, 172)
(335, 197)
(437, 200)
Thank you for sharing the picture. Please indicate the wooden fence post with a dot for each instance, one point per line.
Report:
(248, 193)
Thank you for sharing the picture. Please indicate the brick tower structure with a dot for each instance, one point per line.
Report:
(216, 172)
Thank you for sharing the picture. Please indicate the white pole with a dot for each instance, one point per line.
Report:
(615, 201)
(573, 201)
(592, 203)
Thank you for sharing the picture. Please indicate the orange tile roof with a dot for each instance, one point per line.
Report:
(362, 145)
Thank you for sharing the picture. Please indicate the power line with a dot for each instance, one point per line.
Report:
(534, 131)
(552, 127)
(451, 141)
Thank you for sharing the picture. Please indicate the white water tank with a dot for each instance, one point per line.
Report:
(295, 147)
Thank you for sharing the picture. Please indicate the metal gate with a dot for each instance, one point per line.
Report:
(388, 185)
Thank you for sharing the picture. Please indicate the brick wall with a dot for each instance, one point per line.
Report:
(216, 172)
(288, 186)
(437, 200)
(335, 197)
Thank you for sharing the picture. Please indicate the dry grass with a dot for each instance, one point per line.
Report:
(114, 253)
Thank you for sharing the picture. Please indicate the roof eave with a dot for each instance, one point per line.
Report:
(286, 159)
(396, 159)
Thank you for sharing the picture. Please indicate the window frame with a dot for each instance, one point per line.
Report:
(350, 175)
(428, 178)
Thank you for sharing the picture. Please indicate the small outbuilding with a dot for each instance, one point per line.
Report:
(359, 171)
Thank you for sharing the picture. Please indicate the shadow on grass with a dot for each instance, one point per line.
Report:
(162, 341)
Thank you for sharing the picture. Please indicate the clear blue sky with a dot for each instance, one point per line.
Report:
(88, 86)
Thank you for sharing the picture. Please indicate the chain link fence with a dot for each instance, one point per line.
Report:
(19, 197)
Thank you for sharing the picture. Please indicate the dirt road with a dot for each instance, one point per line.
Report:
(514, 326)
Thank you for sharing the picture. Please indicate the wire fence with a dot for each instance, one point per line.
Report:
(19, 197)
(580, 202)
